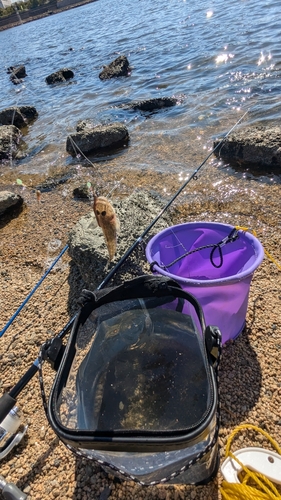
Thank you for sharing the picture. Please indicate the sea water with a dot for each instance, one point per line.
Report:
(218, 58)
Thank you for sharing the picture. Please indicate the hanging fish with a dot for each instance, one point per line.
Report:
(108, 221)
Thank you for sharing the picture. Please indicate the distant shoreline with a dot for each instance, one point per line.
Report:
(35, 17)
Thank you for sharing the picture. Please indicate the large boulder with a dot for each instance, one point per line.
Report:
(62, 75)
(19, 116)
(9, 200)
(87, 245)
(10, 137)
(119, 67)
(260, 146)
(97, 139)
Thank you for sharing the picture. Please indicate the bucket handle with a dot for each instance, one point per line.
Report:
(233, 235)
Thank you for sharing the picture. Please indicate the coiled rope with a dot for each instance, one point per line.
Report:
(263, 488)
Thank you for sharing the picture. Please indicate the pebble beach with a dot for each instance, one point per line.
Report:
(250, 379)
(221, 63)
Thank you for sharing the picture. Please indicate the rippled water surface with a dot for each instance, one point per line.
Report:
(218, 57)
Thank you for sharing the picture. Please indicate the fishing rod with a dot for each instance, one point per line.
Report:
(13, 317)
(130, 250)
(8, 400)
(135, 244)
(32, 292)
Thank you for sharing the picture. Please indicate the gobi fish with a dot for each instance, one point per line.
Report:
(108, 221)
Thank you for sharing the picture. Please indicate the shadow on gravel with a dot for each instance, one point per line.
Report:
(10, 214)
(240, 380)
(94, 483)
(76, 285)
(37, 467)
(251, 171)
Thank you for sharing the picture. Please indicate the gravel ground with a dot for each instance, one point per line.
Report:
(250, 375)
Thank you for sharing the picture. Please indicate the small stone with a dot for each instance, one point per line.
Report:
(59, 76)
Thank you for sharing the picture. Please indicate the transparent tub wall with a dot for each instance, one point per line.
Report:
(143, 467)
(149, 467)
(68, 402)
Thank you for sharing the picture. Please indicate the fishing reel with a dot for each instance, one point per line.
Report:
(10, 435)
(10, 491)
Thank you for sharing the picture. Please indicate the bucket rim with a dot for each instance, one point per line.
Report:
(195, 282)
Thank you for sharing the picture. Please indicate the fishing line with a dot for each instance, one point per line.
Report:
(130, 250)
(14, 392)
(81, 152)
(32, 291)
(134, 245)
(178, 192)
(38, 284)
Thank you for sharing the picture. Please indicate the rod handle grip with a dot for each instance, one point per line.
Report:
(7, 402)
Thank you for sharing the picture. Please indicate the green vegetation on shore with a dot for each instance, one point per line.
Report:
(22, 7)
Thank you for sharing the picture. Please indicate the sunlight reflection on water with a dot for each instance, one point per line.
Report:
(217, 60)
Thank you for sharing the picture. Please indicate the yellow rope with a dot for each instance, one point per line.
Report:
(272, 259)
(264, 489)
(265, 251)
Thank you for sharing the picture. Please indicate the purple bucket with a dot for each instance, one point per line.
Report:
(222, 291)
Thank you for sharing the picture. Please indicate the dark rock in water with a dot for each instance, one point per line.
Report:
(17, 73)
(12, 116)
(87, 245)
(29, 112)
(10, 137)
(19, 116)
(9, 200)
(59, 76)
(97, 139)
(18, 70)
(119, 67)
(152, 104)
(260, 146)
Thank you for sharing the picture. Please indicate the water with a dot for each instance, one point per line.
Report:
(218, 57)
